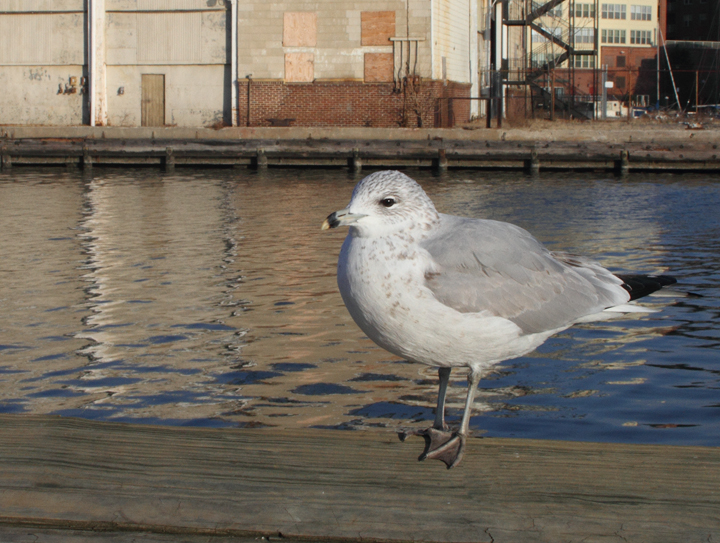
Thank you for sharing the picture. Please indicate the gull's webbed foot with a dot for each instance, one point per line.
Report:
(440, 445)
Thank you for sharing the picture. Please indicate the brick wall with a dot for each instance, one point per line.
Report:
(349, 103)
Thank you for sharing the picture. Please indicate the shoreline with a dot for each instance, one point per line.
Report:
(622, 148)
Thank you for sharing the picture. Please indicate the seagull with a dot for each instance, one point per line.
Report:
(456, 292)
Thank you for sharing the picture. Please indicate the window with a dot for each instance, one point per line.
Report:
(614, 11)
(641, 13)
(584, 35)
(687, 20)
(540, 38)
(641, 37)
(557, 11)
(584, 61)
(584, 10)
(687, 2)
(620, 61)
(541, 60)
(620, 82)
(537, 37)
(613, 36)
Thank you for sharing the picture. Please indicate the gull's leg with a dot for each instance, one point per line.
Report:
(451, 451)
(438, 434)
(444, 375)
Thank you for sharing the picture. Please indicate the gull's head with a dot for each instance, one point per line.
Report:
(385, 203)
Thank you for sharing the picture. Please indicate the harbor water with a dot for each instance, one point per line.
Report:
(208, 298)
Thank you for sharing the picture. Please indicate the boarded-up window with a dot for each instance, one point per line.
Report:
(378, 67)
(620, 82)
(299, 67)
(620, 62)
(300, 29)
(377, 27)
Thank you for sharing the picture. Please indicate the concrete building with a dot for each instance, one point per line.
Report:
(220, 63)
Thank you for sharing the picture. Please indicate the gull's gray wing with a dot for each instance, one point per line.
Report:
(499, 267)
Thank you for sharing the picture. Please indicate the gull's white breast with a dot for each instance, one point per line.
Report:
(382, 282)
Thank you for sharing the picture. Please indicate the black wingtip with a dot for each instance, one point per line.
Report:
(642, 285)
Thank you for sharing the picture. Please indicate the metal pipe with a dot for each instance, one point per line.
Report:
(91, 61)
(234, 82)
(249, 84)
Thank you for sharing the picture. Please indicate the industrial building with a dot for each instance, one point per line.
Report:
(215, 63)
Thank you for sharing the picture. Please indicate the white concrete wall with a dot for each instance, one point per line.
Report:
(39, 54)
(194, 97)
(187, 44)
(454, 23)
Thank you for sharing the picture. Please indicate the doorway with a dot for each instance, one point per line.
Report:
(153, 100)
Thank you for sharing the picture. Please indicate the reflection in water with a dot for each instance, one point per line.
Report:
(209, 298)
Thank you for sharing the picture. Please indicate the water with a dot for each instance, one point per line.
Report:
(208, 298)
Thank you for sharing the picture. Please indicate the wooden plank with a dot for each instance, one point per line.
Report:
(69, 474)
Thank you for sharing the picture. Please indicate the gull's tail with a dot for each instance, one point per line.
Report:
(641, 285)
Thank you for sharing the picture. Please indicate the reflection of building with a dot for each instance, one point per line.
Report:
(237, 62)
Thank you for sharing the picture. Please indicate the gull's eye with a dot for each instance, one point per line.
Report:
(387, 202)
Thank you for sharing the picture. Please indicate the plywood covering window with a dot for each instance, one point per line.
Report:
(300, 29)
(299, 67)
(378, 67)
(377, 27)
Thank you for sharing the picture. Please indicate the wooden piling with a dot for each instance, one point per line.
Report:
(260, 162)
(86, 158)
(355, 162)
(533, 164)
(624, 163)
(169, 160)
(441, 164)
(5, 161)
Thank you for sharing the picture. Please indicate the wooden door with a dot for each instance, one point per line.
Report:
(153, 100)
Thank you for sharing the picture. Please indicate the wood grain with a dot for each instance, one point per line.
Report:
(68, 474)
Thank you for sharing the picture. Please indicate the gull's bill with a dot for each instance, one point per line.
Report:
(341, 218)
